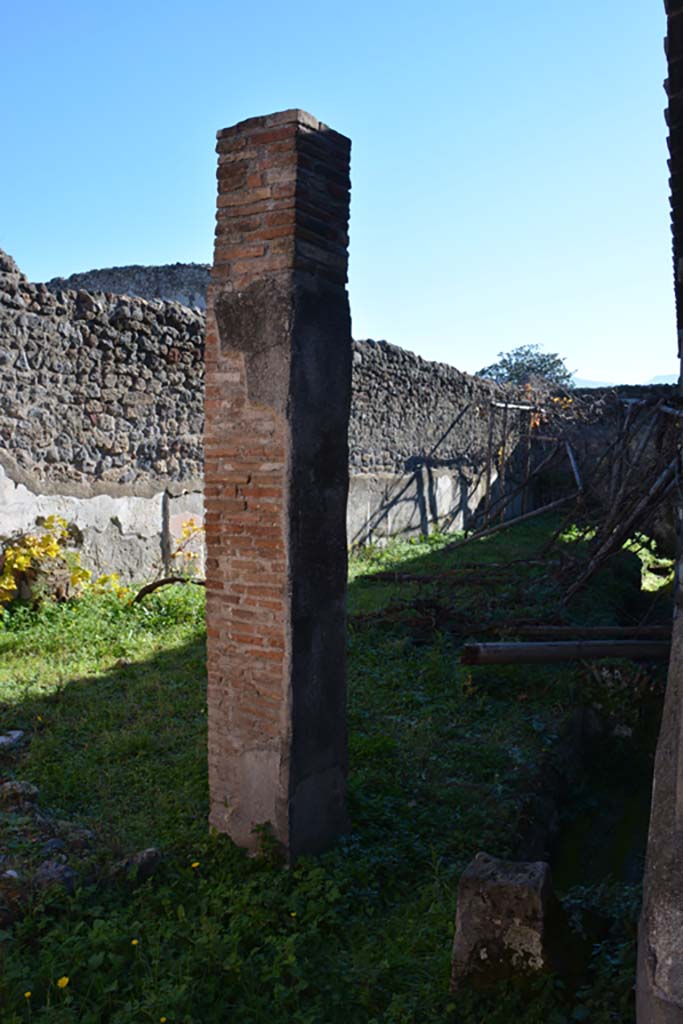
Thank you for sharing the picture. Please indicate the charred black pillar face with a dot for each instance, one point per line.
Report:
(278, 394)
(660, 938)
(320, 370)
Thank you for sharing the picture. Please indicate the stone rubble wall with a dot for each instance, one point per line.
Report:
(101, 393)
(101, 420)
(101, 417)
(406, 409)
(418, 439)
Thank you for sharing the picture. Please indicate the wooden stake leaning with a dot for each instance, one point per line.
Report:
(622, 529)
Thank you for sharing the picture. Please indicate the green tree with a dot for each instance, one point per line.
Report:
(527, 363)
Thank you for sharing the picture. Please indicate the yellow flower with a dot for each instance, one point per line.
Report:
(162, 1020)
(79, 575)
(292, 913)
(195, 863)
(27, 995)
(134, 942)
(62, 982)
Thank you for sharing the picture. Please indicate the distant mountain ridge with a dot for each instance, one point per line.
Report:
(172, 282)
(662, 378)
(582, 382)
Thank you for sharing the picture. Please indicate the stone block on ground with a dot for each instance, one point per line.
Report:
(55, 873)
(9, 740)
(16, 795)
(508, 922)
(137, 867)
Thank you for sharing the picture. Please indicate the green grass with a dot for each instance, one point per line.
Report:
(441, 761)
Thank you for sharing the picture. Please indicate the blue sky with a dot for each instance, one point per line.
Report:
(509, 160)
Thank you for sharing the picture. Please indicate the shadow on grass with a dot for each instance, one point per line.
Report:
(506, 578)
(125, 749)
(441, 759)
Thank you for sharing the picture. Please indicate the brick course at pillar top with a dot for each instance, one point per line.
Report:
(278, 382)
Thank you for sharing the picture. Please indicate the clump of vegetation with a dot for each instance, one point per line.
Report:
(657, 571)
(529, 364)
(43, 564)
(32, 564)
(112, 699)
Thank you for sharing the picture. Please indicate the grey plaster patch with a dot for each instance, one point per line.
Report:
(257, 322)
(259, 785)
(666, 942)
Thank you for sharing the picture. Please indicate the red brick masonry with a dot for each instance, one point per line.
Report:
(278, 353)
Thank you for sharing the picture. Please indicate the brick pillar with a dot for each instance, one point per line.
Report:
(278, 386)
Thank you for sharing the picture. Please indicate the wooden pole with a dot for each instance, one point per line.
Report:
(562, 650)
(575, 467)
(501, 468)
(672, 412)
(632, 465)
(616, 474)
(487, 493)
(527, 465)
(516, 405)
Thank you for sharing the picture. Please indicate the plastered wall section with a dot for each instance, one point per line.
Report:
(134, 536)
(137, 536)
